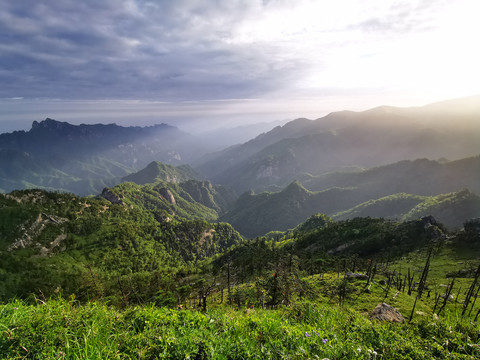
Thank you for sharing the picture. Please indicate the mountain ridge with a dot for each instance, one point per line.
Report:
(392, 191)
(368, 138)
(89, 156)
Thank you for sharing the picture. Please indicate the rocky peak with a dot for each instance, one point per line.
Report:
(48, 123)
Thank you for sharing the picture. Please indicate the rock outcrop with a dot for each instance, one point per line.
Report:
(167, 195)
(432, 227)
(110, 196)
(356, 276)
(385, 312)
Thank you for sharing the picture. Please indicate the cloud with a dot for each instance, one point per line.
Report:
(124, 49)
(209, 49)
(402, 17)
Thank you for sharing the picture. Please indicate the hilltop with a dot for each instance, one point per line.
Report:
(157, 171)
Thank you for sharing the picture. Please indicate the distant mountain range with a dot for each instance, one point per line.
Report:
(421, 177)
(346, 164)
(348, 139)
(404, 190)
(85, 158)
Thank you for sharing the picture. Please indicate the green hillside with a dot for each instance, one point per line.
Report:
(255, 215)
(389, 207)
(59, 242)
(191, 199)
(157, 171)
(217, 197)
(122, 278)
(403, 190)
(451, 209)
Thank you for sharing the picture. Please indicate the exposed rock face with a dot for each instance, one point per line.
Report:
(431, 227)
(266, 172)
(110, 196)
(33, 231)
(167, 195)
(385, 312)
(356, 276)
(429, 220)
(45, 251)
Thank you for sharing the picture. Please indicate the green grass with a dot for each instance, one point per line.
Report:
(65, 329)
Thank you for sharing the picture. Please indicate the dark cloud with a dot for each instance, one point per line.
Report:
(124, 49)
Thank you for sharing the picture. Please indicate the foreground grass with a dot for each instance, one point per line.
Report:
(60, 329)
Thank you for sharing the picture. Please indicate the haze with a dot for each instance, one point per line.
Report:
(198, 64)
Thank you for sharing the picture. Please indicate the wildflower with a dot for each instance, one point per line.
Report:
(324, 341)
(307, 334)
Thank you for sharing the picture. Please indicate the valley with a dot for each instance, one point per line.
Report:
(129, 242)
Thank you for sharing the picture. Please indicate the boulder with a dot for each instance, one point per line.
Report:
(449, 297)
(385, 312)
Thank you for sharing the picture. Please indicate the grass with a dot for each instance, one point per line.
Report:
(65, 329)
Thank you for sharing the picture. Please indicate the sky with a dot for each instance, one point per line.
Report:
(207, 63)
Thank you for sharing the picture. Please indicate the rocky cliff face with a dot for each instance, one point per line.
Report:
(167, 195)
